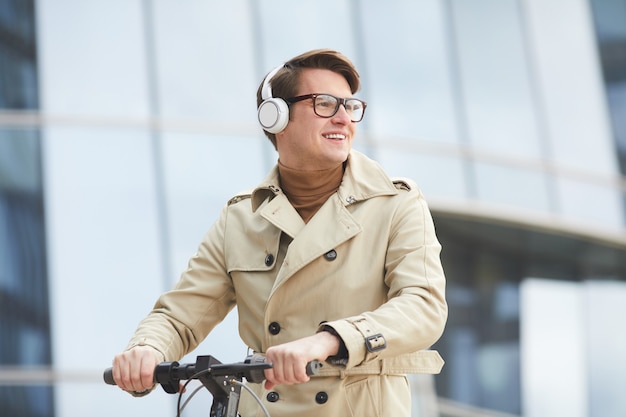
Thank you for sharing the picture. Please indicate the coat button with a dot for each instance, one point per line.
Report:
(269, 259)
(274, 328)
(272, 396)
(321, 397)
(331, 255)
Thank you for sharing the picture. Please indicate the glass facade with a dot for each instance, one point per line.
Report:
(125, 125)
(609, 17)
(488, 266)
(18, 56)
(25, 339)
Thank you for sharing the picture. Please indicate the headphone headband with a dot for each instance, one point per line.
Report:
(266, 90)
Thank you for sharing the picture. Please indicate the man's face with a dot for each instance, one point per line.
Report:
(310, 142)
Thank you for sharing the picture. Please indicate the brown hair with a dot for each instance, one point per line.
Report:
(285, 82)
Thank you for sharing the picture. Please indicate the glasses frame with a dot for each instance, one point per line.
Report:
(340, 101)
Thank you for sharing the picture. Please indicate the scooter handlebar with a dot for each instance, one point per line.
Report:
(252, 369)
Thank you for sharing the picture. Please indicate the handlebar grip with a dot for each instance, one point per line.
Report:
(313, 367)
(108, 376)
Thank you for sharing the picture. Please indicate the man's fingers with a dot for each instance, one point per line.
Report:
(133, 370)
(288, 372)
(147, 374)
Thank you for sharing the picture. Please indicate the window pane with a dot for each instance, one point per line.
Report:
(408, 83)
(24, 307)
(517, 187)
(201, 74)
(18, 55)
(94, 63)
(494, 77)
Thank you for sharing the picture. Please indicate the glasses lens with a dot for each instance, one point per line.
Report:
(325, 105)
(355, 109)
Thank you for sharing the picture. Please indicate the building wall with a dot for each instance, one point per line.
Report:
(141, 122)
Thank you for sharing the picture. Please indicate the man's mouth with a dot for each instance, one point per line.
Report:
(336, 136)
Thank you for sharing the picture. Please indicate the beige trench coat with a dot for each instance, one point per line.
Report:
(367, 264)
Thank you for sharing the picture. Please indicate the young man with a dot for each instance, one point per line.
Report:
(327, 259)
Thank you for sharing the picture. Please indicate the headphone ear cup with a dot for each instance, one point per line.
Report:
(274, 115)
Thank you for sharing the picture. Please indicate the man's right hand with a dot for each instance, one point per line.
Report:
(133, 370)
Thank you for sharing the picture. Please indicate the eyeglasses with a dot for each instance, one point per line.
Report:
(326, 105)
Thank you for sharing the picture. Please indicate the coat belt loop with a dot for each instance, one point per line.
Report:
(383, 366)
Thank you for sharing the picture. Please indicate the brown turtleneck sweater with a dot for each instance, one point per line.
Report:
(308, 190)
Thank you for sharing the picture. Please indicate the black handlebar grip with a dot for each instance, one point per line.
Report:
(313, 367)
(108, 376)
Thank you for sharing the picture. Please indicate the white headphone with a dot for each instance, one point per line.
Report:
(273, 112)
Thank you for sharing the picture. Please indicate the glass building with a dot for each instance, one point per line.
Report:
(125, 126)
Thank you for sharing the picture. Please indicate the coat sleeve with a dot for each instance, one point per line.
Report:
(203, 296)
(415, 313)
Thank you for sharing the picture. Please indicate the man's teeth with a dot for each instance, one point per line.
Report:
(335, 136)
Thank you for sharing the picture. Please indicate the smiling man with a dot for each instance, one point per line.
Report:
(326, 259)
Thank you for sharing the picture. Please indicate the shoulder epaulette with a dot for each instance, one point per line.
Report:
(401, 184)
(238, 198)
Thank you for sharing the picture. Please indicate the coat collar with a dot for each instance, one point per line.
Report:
(363, 179)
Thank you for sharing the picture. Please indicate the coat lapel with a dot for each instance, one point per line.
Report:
(281, 214)
(331, 226)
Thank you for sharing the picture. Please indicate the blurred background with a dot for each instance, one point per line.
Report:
(126, 125)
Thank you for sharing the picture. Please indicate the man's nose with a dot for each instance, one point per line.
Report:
(342, 115)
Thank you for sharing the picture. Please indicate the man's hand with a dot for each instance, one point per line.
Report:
(289, 360)
(133, 370)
